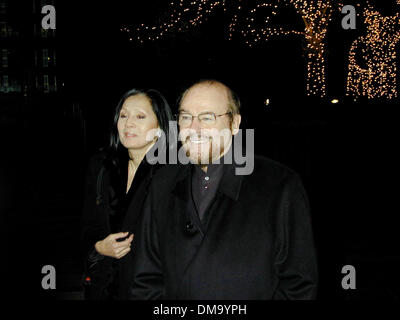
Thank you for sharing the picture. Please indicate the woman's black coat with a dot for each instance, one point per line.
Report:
(105, 207)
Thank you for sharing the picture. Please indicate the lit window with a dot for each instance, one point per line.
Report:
(5, 83)
(3, 29)
(45, 58)
(46, 86)
(4, 58)
(3, 6)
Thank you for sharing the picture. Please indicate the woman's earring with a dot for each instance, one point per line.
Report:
(158, 134)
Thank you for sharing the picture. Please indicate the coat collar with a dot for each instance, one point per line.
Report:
(229, 185)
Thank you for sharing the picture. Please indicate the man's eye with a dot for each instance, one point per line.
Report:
(185, 117)
(207, 118)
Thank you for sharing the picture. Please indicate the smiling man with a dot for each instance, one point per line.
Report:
(207, 118)
(208, 233)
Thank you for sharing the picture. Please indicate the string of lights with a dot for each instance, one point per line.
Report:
(372, 58)
(183, 15)
(316, 16)
(376, 78)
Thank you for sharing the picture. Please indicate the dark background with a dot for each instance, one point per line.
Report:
(345, 152)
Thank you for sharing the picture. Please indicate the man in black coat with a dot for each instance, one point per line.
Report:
(210, 233)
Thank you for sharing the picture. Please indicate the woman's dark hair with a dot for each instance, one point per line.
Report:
(161, 109)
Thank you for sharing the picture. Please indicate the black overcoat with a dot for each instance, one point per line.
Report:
(258, 243)
(112, 212)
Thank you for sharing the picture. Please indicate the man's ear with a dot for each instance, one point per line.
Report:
(236, 123)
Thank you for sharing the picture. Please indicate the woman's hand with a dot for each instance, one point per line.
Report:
(112, 248)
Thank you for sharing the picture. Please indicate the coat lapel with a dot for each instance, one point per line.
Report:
(189, 241)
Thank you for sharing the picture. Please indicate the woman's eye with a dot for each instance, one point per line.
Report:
(139, 116)
(122, 116)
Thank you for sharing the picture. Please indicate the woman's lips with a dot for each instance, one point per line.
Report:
(130, 135)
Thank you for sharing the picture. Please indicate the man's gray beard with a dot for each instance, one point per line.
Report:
(210, 154)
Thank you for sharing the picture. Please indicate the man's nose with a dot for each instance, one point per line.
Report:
(195, 125)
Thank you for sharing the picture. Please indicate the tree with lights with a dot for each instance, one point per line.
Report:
(316, 15)
(373, 58)
(378, 47)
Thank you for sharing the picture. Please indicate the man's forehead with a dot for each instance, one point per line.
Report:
(205, 95)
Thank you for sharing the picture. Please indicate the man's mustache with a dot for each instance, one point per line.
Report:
(197, 137)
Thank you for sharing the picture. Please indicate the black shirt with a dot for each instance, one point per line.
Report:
(205, 184)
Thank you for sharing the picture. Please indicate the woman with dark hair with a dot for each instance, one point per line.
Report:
(116, 186)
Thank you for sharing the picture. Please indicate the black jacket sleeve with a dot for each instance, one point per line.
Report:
(295, 262)
(94, 221)
(148, 274)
